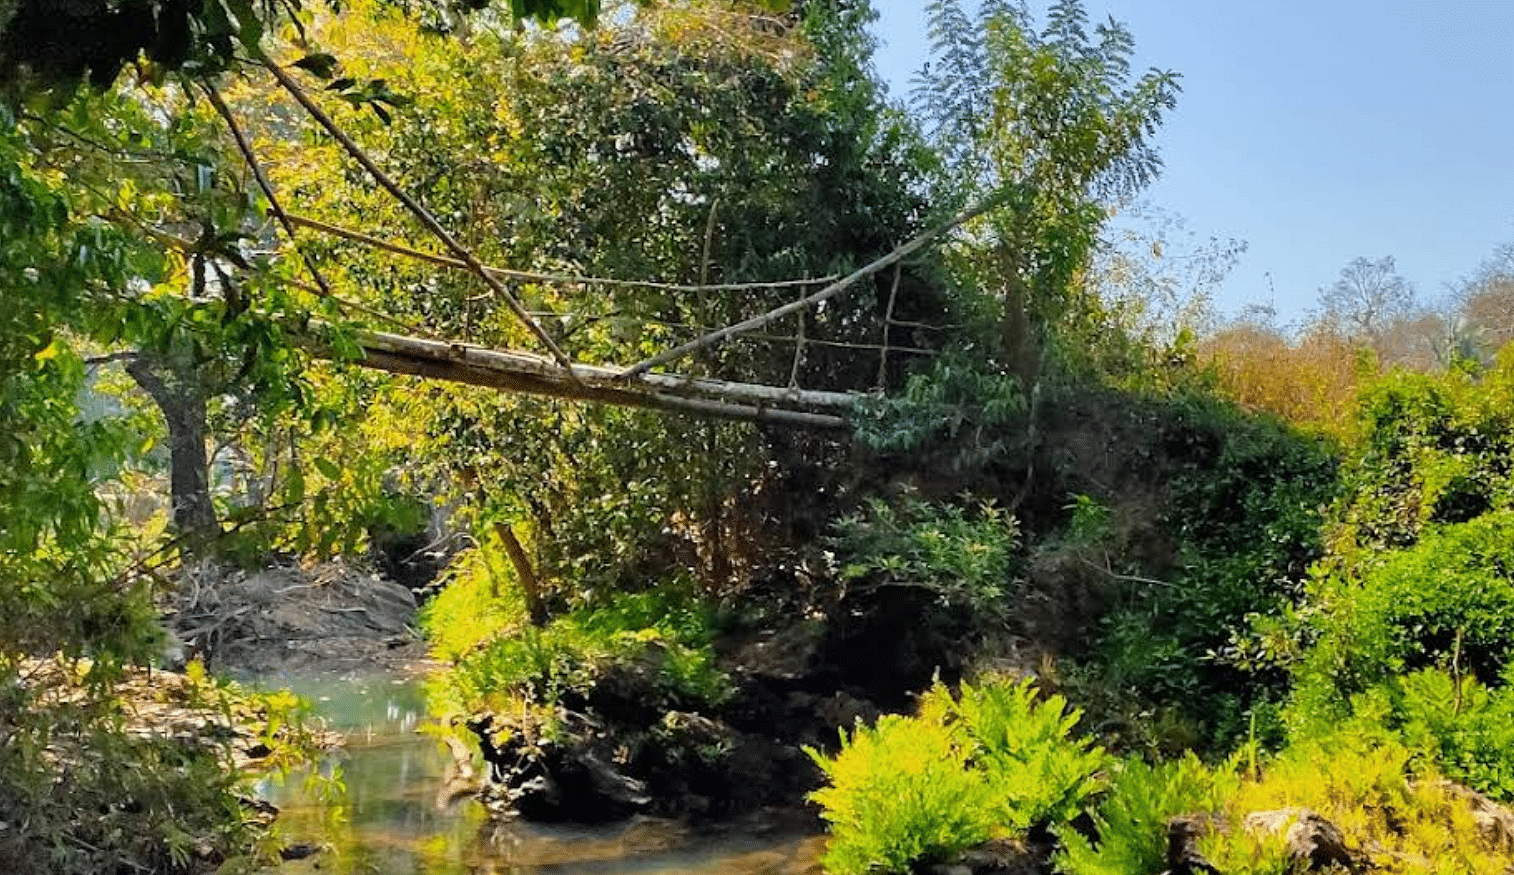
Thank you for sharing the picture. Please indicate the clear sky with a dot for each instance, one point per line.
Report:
(1318, 132)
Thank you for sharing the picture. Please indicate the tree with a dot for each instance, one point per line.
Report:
(1485, 300)
(701, 157)
(1156, 276)
(1055, 123)
(1366, 299)
(50, 46)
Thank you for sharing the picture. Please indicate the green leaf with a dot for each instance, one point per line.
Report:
(318, 64)
(249, 25)
(328, 468)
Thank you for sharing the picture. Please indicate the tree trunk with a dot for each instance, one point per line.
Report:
(174, 389)
(1017, 339)
(530, 584)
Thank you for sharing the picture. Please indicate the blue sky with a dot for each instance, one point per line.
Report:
(1318, 132)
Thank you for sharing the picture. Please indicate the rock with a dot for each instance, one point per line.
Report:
(1007, 857)
(1183, 834)
(785, 654)
(1495, 823)
(1313, 842)
(298, 852)
(844, 709)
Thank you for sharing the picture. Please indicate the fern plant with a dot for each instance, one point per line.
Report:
(902, 793)
(1043, 774)
(916, 790)
(1131, 840)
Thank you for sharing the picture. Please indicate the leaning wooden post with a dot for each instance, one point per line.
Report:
(530, 584)
(415, 208)
(888, 322)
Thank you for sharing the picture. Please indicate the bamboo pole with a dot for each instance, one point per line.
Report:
(415, 208)
(521, 364)
(535, 375)
(535, 276)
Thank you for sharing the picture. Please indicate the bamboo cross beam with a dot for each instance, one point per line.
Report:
(898, 254)
(526, 373)
(537, 276)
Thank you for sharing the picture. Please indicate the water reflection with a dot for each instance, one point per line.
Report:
(394, 817)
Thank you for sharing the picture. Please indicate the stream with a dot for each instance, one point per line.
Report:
(392, 819)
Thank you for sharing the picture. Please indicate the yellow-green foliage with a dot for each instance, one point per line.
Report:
(1401, 820)
(480, 601)
(502, 662)
(901, 792)
(1129, 819)
(1041, 772)
(914, 790)
(1418, 826)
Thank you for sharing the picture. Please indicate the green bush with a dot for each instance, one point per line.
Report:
(1434, 449)
(921, 789)
(664, 634)
(955, 407)
(1042, 773)
(901, 793)
(967, 560)
(1449, 598)
(1462, 728)
(1129, 820)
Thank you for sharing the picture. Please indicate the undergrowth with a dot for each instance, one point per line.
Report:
(87, 787)
(995, 761)
(501, 660)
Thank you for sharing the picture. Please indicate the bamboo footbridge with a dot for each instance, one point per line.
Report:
(637, 385)
(555, 374)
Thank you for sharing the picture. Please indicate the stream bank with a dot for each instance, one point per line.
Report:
(396, 818)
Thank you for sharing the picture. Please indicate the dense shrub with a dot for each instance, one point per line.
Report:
(1433, 449)
(1128, 820)
(1399, 817)
(1459, 727)
(966, 560)
(1237, 506)
(499, 657)
(901, 792)
(1449, 598)
(913, 790)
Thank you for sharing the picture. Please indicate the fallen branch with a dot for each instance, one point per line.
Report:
(901, 252)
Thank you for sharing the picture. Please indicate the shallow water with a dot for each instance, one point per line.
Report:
(392, 818)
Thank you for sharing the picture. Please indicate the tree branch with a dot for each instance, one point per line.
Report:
(274, 206)
(539, 276)
(536, 375)
(415, 209)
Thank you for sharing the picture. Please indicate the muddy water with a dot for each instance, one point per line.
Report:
(391, 815)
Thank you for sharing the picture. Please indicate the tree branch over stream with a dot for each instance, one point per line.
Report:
(536, 375)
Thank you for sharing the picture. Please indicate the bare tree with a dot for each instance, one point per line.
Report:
(1368, 298)
(1485, 300)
